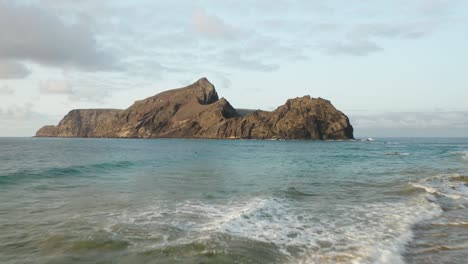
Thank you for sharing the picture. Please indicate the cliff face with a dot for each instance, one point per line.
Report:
(83, 123)
(196, 111)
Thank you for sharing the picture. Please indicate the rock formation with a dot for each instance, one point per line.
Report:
(196, 111)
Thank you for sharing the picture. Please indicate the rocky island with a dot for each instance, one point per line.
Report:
(196, 111)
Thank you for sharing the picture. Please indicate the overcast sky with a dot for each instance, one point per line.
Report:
(395, 67)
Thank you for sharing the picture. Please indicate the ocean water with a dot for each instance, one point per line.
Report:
(233, 201)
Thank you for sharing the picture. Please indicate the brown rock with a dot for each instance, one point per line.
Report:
(47, 131)
(196, 111)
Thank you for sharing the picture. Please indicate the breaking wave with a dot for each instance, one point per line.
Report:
(348, 234)
(452, 186)
(462, 155)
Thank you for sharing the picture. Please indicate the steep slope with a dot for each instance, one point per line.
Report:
(196, 111)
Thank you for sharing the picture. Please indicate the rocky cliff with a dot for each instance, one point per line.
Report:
(196, 111)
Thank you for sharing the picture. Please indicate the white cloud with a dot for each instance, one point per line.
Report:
(429, 7)
(4, 89)
(22, 120)
(24, 111)
(407, 30)
(404, 120)
(83, 94)
(411, 124)
(56, 87)
(90, 95)
(210, 25)
(233, 58)
(351, 47)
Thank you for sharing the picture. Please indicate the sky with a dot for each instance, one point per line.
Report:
(395, 67)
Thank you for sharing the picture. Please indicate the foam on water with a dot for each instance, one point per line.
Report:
(455, 223)
(397, 154)
(448, 185)
(371, 233)
(375, 233)
(463, 155)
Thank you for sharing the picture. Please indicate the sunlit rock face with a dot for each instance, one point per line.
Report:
(196, 111)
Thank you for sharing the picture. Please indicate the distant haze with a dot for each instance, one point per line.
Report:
(396, 68)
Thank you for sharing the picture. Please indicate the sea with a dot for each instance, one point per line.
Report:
(390, 200)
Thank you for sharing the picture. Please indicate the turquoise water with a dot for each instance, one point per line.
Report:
(233, 201)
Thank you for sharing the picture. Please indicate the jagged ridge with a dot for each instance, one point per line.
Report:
(196, 111)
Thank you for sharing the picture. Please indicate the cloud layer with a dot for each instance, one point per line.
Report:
(30, 33)
(13, 70)
(113, 51)
(5, 90)
(56, 87)
(420, 124)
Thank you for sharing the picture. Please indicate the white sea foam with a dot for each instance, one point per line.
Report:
(370, 233)
(377, 233)
(397, 154)
(366, 139)
(453, 223)
(463, 155)
(444, 185)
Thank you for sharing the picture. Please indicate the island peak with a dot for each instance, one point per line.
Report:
(196, 111)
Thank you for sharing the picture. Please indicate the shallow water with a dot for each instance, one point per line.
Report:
(233, 201)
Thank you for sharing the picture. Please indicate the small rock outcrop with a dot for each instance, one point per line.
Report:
(196, 111)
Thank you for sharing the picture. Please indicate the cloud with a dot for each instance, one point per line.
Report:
(322, 27)
(90, 95)
(429, 7)
(82, 94)
(6, 90)
(363, 39)
(233, 58)
(56, 87)
(30, 33)
(13, 70)
(225, 81)
(409, 30)
(24, 111)
(403, 120)
(22, 120)
(209, 25)
(411, 124)
(351, 47)
(302, 27)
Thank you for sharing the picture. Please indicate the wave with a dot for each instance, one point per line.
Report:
(397, 154)
(365, 139)
(294, 192)
(453, 224)
(58, 172)
(347, 233)
(451, 186)
(462, 155)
